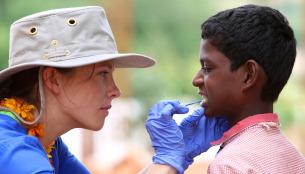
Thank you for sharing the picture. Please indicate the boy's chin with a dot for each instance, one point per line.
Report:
(210, 113)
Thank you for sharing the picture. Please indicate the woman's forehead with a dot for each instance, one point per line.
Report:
(108, 64)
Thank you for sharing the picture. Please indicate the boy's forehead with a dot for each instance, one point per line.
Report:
(204, 49)
(205, 60)
(210, 54)
(205, 45)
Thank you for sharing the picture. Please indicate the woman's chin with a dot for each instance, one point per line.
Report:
(96, 127)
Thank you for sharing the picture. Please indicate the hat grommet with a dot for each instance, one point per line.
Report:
(72, 21)
(45, 56)
(67, 52)
(32, 30)
(54, 43)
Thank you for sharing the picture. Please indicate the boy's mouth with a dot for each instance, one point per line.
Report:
(204, 99)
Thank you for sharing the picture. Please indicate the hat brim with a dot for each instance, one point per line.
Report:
(128, 60)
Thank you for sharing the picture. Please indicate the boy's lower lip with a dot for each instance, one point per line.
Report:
(204, 105)
(204, 100)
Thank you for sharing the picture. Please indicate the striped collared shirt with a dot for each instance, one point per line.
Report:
(256, 145)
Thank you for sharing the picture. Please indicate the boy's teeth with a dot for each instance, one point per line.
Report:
(204, 100)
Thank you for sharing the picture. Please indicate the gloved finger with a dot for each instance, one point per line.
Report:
(216, 127)
(172, 108)
(156, 110)
(222, 123)
(179, 108)
(192, 119)
(198, 112)
(161, 104)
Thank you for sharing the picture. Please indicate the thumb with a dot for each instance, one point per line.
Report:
(179, 108)
(222, 123)
(192, 119)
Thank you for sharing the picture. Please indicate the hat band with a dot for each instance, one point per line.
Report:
(62, 54)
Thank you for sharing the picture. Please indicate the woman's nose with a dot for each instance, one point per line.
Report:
(198, 79)
(114, 91)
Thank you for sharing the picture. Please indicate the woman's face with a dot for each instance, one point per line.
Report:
(87, 94)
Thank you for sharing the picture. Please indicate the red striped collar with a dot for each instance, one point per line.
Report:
(245, 123)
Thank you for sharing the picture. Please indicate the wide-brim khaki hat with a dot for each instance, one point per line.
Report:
(66, 38)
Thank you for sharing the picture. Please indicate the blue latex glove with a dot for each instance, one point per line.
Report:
(166, 137)
(199, 131)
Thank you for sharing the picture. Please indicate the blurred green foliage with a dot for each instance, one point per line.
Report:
(290, 105)
(170, 32)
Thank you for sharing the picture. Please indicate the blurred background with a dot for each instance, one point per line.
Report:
(169, 31)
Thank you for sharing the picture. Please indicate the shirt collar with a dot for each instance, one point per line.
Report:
(8, 122)
(245, 123)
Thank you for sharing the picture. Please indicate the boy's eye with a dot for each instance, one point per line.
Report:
(206, 69)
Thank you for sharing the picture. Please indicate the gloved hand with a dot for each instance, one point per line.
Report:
(199, 131)
(166, 137)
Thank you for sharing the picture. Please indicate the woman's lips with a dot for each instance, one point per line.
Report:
(106, 107)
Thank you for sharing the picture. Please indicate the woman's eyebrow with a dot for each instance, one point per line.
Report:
(108, 66)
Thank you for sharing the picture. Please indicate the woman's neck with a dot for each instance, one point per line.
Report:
(54, 126)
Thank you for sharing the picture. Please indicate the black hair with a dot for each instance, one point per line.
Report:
(259, 33)
(23, 85)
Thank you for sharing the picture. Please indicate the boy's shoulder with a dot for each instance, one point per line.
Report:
(261, 148)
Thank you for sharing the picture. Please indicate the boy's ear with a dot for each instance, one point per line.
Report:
(251, 74)
(50, 77)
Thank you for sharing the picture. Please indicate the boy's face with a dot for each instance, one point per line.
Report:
(217, 82)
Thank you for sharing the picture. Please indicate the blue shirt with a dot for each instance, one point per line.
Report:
(24, 154)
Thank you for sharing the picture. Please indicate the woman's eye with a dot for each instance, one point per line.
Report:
(104, 73)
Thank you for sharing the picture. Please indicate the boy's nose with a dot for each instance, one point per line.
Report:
(198, 79)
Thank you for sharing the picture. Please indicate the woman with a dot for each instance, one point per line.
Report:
(59, 78)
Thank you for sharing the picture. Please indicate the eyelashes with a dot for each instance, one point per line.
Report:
(104, 73)
(206, 69)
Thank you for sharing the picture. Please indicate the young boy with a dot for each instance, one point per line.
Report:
(247, 55)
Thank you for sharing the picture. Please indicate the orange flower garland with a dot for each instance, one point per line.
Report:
(25, 111)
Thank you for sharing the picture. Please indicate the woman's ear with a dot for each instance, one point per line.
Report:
(251, 74)
(50, 77)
